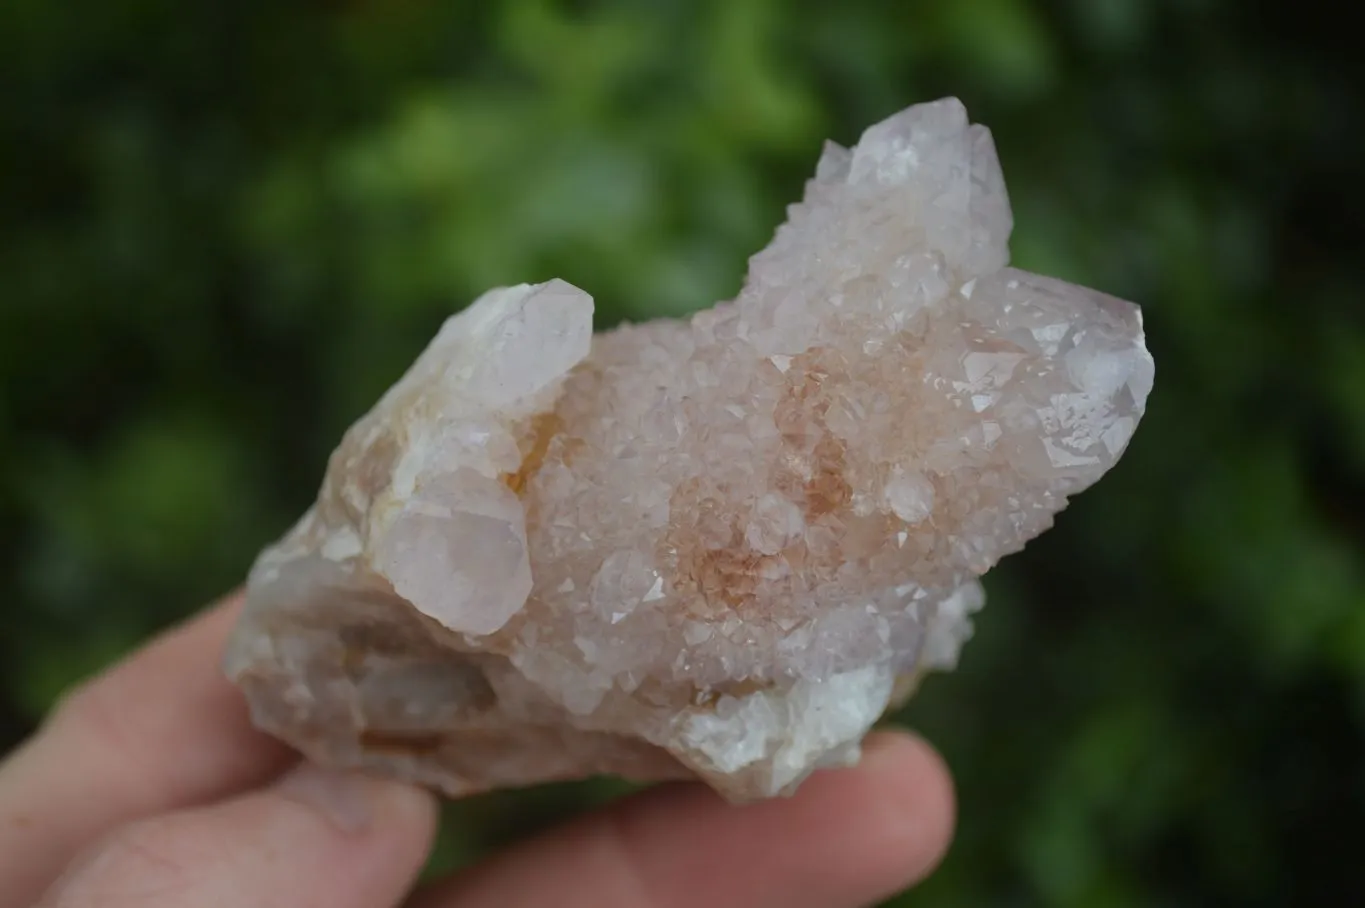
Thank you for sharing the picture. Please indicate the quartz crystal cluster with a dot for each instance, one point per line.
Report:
(717, 547)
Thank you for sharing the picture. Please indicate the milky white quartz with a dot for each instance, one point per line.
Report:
(713, 548)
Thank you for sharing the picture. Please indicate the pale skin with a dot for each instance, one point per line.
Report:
(148, 787)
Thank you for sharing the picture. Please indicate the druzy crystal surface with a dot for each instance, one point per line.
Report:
(717, 547)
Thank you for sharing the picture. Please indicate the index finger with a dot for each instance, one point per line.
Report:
(160, 730)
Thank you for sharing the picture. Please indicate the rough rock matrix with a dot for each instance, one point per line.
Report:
(718, 547)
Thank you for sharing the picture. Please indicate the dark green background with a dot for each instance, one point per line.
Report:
(226, 227)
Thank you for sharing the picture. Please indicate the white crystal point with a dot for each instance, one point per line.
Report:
(456, 549)
(715, 548)
(916, 146)
(450, 538)
(516, 341)
(415, 498)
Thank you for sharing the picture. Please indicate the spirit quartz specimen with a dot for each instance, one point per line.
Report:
(719, 547)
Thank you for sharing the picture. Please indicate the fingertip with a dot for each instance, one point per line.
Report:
(315, 836)
(914, 801)
(409, 805)
(354, 802)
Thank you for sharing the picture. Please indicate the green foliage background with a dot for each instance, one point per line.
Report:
(226, 227)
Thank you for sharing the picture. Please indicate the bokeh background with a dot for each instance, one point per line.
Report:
(225, 228)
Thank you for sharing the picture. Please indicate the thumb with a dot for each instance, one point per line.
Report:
(316, 837)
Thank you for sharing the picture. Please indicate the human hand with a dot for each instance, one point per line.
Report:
(148, 787)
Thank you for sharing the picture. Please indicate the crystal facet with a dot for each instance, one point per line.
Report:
(717, 547)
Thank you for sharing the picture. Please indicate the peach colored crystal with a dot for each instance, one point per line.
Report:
(717, 547)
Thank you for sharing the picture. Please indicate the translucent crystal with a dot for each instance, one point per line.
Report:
(718, 547)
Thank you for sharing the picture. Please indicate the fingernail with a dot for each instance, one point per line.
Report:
(884, 745)
(344, 798)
